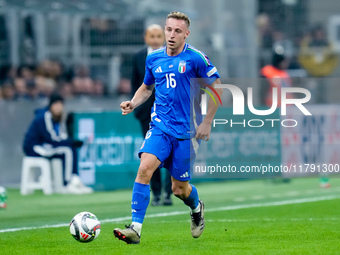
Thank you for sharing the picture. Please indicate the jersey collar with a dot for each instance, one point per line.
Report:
(184, 49)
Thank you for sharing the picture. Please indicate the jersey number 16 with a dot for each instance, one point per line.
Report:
(170, 81)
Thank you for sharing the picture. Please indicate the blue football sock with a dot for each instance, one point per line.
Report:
(140, 201)
(192, 200)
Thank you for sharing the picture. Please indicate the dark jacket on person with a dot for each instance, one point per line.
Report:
(138, 71)
(44, 130)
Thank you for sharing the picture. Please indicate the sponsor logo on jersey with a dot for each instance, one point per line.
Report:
(182, 67)
(158, 70)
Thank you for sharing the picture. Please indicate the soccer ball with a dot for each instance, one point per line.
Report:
(3, 197)
(85, 227)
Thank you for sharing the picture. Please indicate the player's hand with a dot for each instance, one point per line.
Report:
(127, 107)
(77, 143)
(203, 131)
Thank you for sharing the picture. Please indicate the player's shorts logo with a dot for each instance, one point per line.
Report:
(148, 134)
(182, 67)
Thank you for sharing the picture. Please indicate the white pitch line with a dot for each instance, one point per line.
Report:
(30, 228)
(250, 220)
(239, 199)
(293, 193)
(257, 197)
(276, 203)
(275, 195)
(157, 215)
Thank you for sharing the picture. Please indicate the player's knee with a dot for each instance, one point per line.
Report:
(145, 171)
(144, 167)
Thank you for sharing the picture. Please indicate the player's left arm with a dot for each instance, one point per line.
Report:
(203, 130)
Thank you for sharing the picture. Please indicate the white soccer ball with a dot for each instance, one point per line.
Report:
(85, 227)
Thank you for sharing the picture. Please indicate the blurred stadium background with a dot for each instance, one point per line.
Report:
(83, 49)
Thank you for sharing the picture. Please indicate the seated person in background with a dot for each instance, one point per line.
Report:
(46, 137)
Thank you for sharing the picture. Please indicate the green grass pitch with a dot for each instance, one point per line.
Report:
(242, 217)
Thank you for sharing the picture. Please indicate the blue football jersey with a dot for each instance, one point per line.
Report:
(176, 110)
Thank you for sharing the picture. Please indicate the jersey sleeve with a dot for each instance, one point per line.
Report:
(149, 79)
(205, 69)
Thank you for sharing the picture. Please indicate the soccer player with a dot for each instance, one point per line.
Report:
(154, 38)
(176, 128)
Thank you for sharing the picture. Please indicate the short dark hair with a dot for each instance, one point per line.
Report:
(179, 15)
(55, 97)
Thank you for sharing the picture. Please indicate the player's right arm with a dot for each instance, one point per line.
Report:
(141, 95)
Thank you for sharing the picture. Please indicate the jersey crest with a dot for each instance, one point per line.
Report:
(182, 66)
